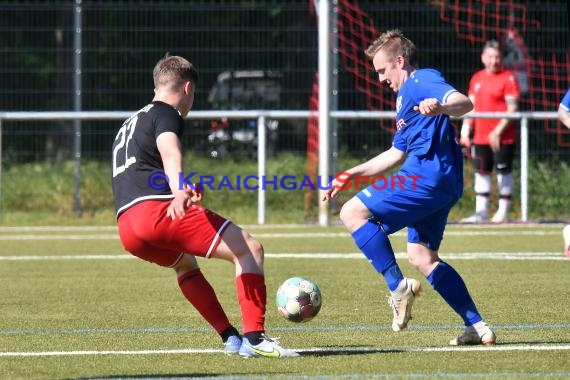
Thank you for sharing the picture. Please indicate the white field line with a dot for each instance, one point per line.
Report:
(315, 350)
(114, 227)
(505, 233)
(504, 226)
(61, 237)
(57, 228)
(445, 255)
(309, 255)
(278, 235)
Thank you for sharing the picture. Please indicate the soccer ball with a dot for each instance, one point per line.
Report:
(299, 299)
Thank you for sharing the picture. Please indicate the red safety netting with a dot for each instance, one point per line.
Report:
(544, 78)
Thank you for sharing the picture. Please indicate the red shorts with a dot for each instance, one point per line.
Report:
(148, 233)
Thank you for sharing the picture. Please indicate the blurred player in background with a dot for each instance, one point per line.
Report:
(564, 117)
(163, 223)
(491, 89)
(425, 143)
(564, 110)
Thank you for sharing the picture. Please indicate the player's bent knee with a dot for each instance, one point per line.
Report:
(423, 264)
(354, 214)
(256, 248)
(345, 213)
(421, 257)
(415, 262)
(237, 244)
(186, 264)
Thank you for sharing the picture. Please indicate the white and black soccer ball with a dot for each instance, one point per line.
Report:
(299, 299)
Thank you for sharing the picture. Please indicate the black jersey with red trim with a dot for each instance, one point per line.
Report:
(137, 164)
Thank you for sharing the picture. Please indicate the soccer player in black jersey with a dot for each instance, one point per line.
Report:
(167, 226)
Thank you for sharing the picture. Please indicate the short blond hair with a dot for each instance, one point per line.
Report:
(173, 71)
(393, 43)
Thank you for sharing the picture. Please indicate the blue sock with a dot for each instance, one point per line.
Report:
(449, 284)
(375, 245)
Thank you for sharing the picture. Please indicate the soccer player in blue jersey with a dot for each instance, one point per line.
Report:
(425, 144)
(564, 110)
(564, 117)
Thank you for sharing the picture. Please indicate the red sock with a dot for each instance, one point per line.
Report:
(201, 295)
(252, 297)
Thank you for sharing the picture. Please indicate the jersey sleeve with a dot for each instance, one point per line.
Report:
(168, 121)
(399, 142)
(512, 86)
(431, 84)
(565, 103)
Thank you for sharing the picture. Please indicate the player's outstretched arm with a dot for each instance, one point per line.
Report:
(375, 166)
(457, 105)
(465, 136)
(564, 116)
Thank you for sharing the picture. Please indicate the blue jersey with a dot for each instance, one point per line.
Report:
(565, 103)
(429, 142)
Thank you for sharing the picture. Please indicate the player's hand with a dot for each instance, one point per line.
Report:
(429, 107)
(465, 133)
(336, 187)
(331, 193)
(465, 141)
(495, 141)
(195, 194)
(178, 206)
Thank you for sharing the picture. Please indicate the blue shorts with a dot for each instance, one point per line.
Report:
(423, 211)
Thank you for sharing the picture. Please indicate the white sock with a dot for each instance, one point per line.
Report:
(504, 206)
(402, 287)
(505, 185)
(481, 203)
(482, 186)
(481, 328)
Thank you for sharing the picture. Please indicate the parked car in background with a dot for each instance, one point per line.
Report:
(243, 90)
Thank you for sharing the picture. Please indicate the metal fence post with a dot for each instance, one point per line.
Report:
(261, 169)
(324, 104)
(524, 169)
(77, 103)
(1, 205)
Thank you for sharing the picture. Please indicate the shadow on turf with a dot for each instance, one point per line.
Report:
(309, 352)
(161, 376)
(348, 351)
(533, 342)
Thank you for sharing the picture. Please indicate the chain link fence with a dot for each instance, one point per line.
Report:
(250, 55)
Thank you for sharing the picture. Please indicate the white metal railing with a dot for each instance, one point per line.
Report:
(261, 116)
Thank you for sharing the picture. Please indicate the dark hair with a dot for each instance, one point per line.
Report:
(492, 44)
